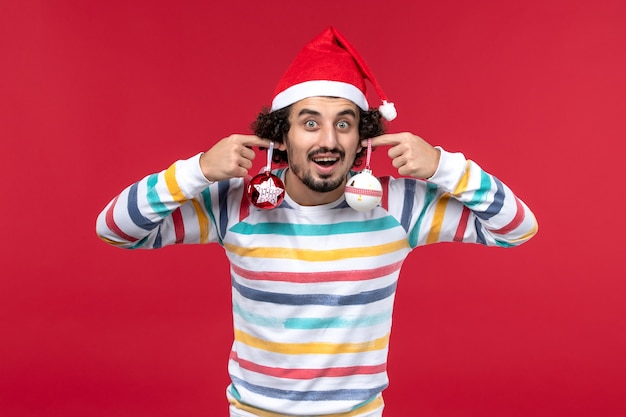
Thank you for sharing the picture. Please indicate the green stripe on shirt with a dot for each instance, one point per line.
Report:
(290, 229)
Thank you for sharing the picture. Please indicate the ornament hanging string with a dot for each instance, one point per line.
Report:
(270, 152)
(369, 153)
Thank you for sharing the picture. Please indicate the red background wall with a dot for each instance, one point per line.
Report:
(94, 95)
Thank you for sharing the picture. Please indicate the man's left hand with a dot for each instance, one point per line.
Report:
(411, 155)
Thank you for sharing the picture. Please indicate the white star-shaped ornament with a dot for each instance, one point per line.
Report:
(268, 191)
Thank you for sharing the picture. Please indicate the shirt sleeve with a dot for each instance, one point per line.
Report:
(461, 203)
(174, 206)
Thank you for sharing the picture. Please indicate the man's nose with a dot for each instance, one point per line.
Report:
(328, 137)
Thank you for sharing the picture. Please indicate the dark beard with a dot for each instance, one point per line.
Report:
(320, 185)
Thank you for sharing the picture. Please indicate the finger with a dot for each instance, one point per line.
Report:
(252, 140)
(398, 162)
(395, 151)
(248, 153)
(382, 140)
(240, 172)
(404, 171)
(245, 163)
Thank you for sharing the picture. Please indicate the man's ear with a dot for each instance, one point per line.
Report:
(280, 145)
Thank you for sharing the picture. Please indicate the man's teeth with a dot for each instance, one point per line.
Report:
(325, 159)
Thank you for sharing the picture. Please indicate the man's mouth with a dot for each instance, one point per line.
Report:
(326, 158)
(325, 161)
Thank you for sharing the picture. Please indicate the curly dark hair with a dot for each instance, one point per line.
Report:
(275, 125)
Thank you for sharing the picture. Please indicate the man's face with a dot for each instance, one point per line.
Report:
(322, 144)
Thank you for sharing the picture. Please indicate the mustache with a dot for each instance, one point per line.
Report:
(319, 151)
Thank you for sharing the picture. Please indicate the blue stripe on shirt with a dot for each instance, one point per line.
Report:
(329, 395)
(133, 210)
(365, 297)
(497, 204)
(408, 203)
(222, 190)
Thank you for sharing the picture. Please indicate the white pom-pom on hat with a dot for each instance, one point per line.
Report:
(388, 110)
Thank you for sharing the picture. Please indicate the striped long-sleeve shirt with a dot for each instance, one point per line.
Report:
(313, 287)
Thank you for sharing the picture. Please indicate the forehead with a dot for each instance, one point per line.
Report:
(324, 105)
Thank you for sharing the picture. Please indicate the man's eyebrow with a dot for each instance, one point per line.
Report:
(350, 112)
(309, 111)
(347, 111)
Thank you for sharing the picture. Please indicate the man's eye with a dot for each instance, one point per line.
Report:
(310, 124)
(343, 125)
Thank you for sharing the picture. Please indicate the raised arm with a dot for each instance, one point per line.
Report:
(458, 201)
(179, 204)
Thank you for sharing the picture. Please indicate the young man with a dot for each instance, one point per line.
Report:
(313, 279)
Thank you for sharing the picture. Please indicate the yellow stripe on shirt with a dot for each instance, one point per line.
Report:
(317, 255)
(464, 181)
(172, 184)
(311, 348)
(525, 236)
(203, 221)
(112, 242)
(440, 211)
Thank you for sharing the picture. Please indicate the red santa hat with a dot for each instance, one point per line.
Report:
(329, 66)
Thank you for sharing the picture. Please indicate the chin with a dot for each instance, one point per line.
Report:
(324, 185)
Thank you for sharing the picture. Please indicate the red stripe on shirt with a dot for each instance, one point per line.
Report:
(460, 230)
(179, 226)
(113, 226)
(309, 373)
(513, 224)
(384, 203)
(323, 276)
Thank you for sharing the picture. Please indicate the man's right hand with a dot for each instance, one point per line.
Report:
(231, 157)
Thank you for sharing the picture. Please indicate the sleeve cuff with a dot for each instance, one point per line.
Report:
(450, 170)
(189, 176)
